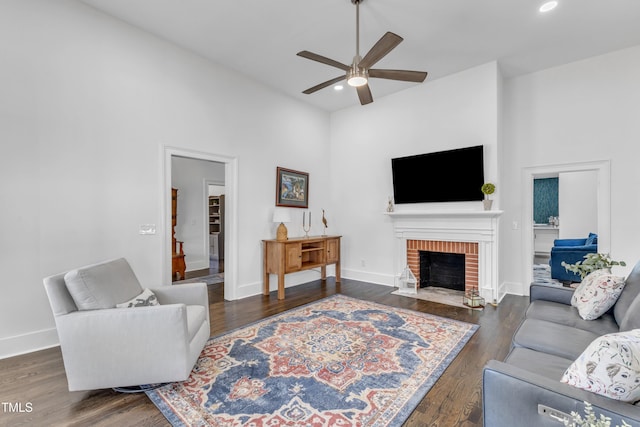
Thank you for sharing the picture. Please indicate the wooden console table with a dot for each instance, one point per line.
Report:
(299, 254)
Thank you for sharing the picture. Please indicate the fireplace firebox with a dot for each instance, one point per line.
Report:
(442, 269)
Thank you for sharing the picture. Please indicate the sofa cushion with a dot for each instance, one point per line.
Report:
(592, 239)
(547, 365)
(609, 366)
(597, 293)
(622, 310)
(567, 315)
(145, 299)
(102, 285)
(552, 338)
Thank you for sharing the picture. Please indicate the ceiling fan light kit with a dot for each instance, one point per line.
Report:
(359, 72)
(357, 78)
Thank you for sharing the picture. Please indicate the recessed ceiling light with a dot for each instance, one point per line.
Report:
(548, 6)
(338, 87)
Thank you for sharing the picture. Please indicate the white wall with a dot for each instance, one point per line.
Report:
(88, 104)
(578, 209)
(580, 112)
(189, 176)
(452, 112)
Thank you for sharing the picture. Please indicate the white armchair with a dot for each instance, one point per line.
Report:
(104, 346)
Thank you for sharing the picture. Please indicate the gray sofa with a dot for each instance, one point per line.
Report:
(525, 389)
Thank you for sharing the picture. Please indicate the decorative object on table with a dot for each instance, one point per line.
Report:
(281, 216)
(337, 361)
(487, 189)
(292, 188)
(591, 263)
(306, 225)
(324, 223)
(407, 283)
(390, 204)
(472, 299)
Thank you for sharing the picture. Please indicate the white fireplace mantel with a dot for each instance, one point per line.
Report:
(453, 226)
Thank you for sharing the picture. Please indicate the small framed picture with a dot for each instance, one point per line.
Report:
(292, 188)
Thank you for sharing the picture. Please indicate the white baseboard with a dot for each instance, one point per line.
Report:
(290, 280)
(28, 343)
(201, 264)
(368, 276)
(514, 288)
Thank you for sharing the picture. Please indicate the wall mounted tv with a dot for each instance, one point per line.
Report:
(445, 176)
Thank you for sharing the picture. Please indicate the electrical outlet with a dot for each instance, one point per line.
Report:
(514, 225)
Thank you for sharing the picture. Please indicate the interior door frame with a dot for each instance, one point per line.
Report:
(603, 170)
(231, 213)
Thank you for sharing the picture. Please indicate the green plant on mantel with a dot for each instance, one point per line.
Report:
(591, 263)
(488, 188)
(590, 419)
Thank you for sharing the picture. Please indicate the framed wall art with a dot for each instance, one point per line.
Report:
(292, 188)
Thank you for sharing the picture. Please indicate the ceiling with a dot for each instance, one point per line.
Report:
(260, 38)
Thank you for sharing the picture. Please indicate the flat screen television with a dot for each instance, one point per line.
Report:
(445, 176)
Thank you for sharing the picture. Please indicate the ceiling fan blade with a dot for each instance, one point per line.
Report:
(364, 93)
(322, 59)
(323, 85)
(404, 75)
(380, 49)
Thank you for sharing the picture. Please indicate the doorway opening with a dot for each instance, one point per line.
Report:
(192, 174)
(598, 184)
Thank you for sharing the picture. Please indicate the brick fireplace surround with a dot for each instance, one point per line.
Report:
(472, 232)
(468, 249)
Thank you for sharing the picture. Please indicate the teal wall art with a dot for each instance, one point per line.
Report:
(545, 199)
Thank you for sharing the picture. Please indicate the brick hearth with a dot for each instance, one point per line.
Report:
(469, 249)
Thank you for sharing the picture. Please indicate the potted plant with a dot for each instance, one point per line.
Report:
(591, 263)
(487, 189)
(590, 419)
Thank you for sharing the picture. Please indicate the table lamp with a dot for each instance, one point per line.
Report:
(281, 216)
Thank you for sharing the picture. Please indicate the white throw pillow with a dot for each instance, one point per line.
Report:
(146, 298)
(597, 293)
(609, 366)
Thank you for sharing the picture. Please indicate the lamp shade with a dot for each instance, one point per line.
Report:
(281, 215)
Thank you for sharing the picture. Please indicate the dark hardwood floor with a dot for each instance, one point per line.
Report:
(37, 380)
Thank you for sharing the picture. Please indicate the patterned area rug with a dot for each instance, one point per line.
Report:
(339, 361)
(542, 274)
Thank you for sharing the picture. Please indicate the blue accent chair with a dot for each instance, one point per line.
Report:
(570, 251)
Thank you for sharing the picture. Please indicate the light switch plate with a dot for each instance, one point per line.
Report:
(147, 229)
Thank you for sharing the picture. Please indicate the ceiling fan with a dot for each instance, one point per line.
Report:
(359, 72)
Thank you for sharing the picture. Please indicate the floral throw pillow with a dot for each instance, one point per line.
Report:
(597, 293)
(609, 366)
(146, 298)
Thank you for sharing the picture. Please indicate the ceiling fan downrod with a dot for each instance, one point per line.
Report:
(356, 76)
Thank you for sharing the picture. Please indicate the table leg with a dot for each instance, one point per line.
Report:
(265, 273)
(280, 285)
